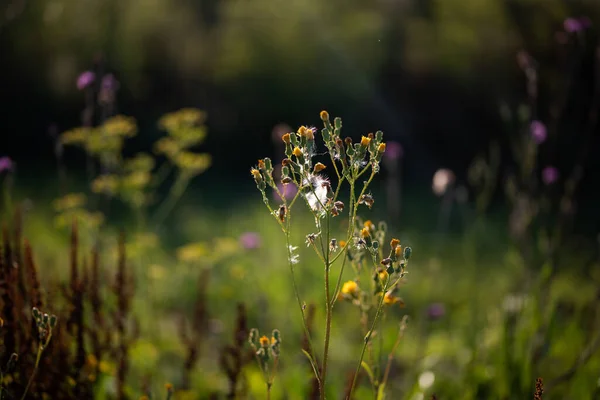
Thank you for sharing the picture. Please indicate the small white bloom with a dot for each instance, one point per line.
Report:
(442, 179)
(426, 379)
(317, 197)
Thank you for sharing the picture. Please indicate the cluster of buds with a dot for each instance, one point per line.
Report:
(352, 156)
(45, 323)
(266, 350)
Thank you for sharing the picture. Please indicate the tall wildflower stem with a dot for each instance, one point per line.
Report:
(368, 337)
(35, 368)
(328, 307)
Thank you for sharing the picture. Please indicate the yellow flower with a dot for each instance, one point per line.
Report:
(120, 126)
(264, 341)
(365, 141)
(383, 275)
(70, 201)
(350, 288)
(389, 298)
(319, 167)
(342, 243)
(192, 162)
(369, 225)
(182, 118)
(324, 115)
(140, 162)
(167, 146)
(192, 252)
(297, 152)
(381, 148)
(286, 138)
(169, 387)
(365, 233)
(394, 243)
(75, 136)
(105, 184)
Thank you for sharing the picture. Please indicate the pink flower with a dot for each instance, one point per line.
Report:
(538, 131)
(288, 191)
(250, 240)
(6, 164)
(393, 151)
(572, 25)
(85, 79)
(550, 175)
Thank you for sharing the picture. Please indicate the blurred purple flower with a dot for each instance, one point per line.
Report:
(572, 25)
(538, 131)
(109, 82)
(550, 175)
(85, 79)
(585, 22)
(288, 191)
(393, 151)
(436, 311)
(6, 164)
(250, 240)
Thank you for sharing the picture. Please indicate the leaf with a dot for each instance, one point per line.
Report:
(312, 363)
(381, 392)
(369, 371)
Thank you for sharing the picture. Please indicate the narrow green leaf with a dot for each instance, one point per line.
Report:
(312, 363)
(369, 371)
(381, 392)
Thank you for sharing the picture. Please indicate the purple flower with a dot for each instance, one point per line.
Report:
(85, 79)
(393, 151)
(538, 131)
(550, 175)
(6, 164)
(109, 82)
(288, 191)
(436, 311)
(250, 240)
(572, 25)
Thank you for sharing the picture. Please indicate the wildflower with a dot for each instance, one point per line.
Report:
(538, 131)
(250, 240)
(264, 341)
(317, 197)
(366, 199)
(389, 299)
(436, 311)
(85, 79)
(324, 115)
(319, 167)
(442, 179)
(365, 141)
(393, 151)
(342, 243)
(550, 175)
(6, 164)
(350, 288)
(369, 225)
(572, 25)
(297, 152)
(394, 243)
(169, 387)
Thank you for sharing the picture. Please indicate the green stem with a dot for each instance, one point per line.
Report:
(37, 363)
(173, 197)
(368, 338)
(329, 310)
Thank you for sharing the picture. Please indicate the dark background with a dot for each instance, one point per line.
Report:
(430, 74)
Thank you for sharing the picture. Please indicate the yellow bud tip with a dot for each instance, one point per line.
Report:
(169, 387)
(383, 275)
(381, 148)
(261, 164)
(398, 251)
(309, 134)
(324, 115)
(342, 243)
(365, 233)
(364, 141)
(286, 138)
(264, 341)
(319, 167)
(350, 287)
(369, 225)
(394, 243)
(390, 298)
(302, 130)
(297, 152)
(273, 340)
(255, 173)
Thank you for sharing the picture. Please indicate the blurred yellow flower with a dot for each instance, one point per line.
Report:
(120, 126)
(192, 163)
(108, 184)
(75, 136)
(192, 252)
(69, 201)
(181, 118)
(140, 162)
(350, 288)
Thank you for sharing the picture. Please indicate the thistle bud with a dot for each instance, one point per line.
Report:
(407, 253)
(364, 142)
(36, 313)
(324, 116)
(281, 213)
(337, 122)
(53, 321)
(380, 151)
(253, 336)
